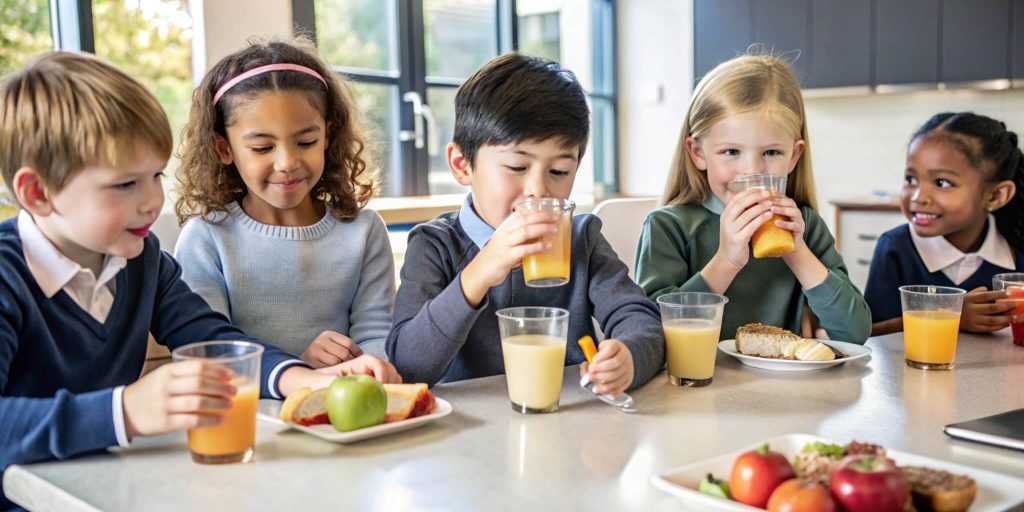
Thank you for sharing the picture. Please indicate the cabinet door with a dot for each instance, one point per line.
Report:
(1017, 42)
(783, 27)
(907, 42)
(841, 42)
(975, 40)
(722, 29)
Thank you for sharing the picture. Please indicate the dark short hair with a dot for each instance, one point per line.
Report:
(515, 98)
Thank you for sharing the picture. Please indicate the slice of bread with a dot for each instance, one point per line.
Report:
(763, 340)
(407, 401)
(941, 491)
(305, 407)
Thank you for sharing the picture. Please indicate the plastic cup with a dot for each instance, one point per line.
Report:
(234, 439)
(692, 322)
(769, 240)
(1013, 283)
(931, 323)
(533, 343)
(551, 267)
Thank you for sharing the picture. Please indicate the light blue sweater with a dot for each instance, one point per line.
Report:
(286, 285)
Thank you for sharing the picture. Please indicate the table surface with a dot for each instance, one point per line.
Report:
(586, 456)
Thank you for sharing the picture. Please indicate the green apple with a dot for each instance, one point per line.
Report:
(356, 401)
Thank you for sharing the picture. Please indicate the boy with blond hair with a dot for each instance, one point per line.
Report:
(521, 127)
(83, 282)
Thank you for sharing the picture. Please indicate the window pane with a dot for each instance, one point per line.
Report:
(602, 140)
(24, 32)
(378, 104)
(560, 31)
(150, 40)
(461, 35)
(539, 32)
(442, 103)
(357, 33)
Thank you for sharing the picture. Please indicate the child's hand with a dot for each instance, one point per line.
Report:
(612, 369)
(329, 349)
(516, 237)
(787, 207)
(981, 314)
(177, 396)
(747, 211)
(366, 365)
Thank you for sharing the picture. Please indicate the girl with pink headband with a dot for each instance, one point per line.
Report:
(273, 184)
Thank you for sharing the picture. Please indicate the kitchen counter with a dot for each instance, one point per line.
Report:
(587, 456)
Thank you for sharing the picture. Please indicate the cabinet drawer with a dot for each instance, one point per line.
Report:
(858, 234)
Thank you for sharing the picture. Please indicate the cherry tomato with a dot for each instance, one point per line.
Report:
(757, 473)
(794, 496)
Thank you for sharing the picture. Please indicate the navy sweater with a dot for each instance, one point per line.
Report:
(58, 365)
(438, 336)
(896, 263)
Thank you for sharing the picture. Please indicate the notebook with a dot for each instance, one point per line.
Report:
(1005, 430)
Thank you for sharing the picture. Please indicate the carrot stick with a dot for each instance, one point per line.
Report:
(587, 344)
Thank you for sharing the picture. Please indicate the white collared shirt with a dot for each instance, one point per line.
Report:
(54, 272)
(938, 254)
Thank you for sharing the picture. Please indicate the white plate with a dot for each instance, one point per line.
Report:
(853, 352)
(269, 414)
(995, 490)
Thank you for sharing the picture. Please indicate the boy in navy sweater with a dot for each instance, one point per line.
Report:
(82, 282)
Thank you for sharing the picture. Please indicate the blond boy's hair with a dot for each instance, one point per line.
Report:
(761, 83)
(66, 111)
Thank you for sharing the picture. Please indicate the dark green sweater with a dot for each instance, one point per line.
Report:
(677, 241)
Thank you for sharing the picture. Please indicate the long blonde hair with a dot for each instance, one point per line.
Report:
(758, 82)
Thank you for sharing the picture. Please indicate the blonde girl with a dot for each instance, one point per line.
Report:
(747, 117)
(273, 185)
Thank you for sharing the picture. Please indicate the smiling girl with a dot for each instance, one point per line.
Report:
(273, 184)
(747, 117)
(963, 195)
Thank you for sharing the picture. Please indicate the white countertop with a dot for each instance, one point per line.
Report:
(587, 456)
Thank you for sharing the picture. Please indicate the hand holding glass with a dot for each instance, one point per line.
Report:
(769, 240)
(551, 267)
(1013, 284)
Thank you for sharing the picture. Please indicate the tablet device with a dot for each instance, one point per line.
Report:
(1005, 430)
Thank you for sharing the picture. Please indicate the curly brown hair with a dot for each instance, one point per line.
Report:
(205, 185)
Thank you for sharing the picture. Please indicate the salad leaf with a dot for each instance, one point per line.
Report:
(714, 487)
(832, 451)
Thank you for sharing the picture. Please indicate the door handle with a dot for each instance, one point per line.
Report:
(421, 115)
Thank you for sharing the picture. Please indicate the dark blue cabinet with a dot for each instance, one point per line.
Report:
(906, 42)
(975, 40)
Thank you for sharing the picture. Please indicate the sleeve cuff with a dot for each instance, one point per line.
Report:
(697, 284)
(275, 376)
(826, 292)
(117, 406)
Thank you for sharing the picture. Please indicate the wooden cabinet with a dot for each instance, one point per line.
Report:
(858, 226)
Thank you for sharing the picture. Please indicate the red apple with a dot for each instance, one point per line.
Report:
(757, 473)
(865, 483)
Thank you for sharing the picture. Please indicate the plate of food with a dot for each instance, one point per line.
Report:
(823, 475)
(773, 348)
(408, 406)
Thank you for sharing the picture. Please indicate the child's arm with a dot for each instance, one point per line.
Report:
(981, 314)
(634, 350)
(838, 304)
(436, 305)
(200, 264)
(370, 314)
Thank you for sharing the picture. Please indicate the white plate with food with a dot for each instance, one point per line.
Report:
(773, 348)
(930, 479)
(409, 406)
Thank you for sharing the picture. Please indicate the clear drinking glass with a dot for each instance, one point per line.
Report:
(1013, 284)
(693, 323)
(552, 267)
(234, 439)
(769, 240)
(533, 343)
(931, 322)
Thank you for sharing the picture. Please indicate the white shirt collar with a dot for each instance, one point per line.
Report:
(51, 269)
(938, 254)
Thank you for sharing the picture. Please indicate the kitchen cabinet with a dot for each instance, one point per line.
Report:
(907, 42)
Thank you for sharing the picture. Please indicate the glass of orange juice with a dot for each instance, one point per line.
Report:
(533, 343)
(232, 440)
(1013, 284)
(769, 240)
(552, 267)
(931, 322)
(692, 322)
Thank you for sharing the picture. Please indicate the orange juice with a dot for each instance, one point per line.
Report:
(551, 268)
(772, 241)
(929, 338)
(233, 439)
(533, 367)
(690, 347)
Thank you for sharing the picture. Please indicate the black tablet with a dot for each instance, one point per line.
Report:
(1005, 430)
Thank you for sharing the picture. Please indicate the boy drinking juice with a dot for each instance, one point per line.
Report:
(521, 127)
(82, 281)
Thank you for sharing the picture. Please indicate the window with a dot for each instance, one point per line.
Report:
(407, 58)
(24, 32)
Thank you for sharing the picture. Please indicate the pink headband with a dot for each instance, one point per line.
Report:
(265, 69)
